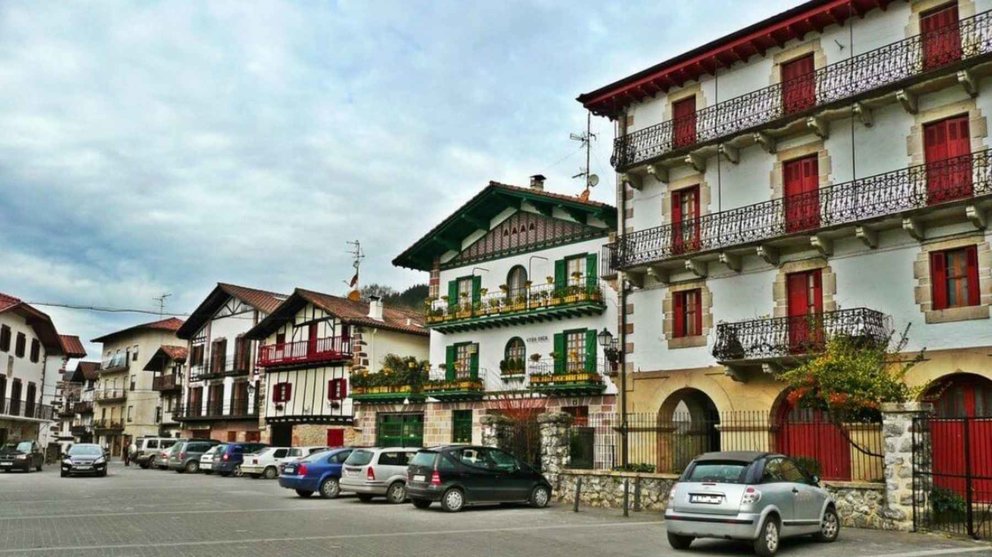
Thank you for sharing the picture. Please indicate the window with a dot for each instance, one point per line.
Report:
(575, 267)
(473, 456)
(805, 303)
(773, 472)
(134, 379)
(688, 311)
(461, 426)
(575, 351)
(218, 355)
(685, 220)
(733, 472)
(463, 359)
(4, 338)
(158, 418)
(516, 281)
(575, 346)
(684, 122)
(514, 356)
(337, 389)
(798, 84)
(20, 345)
(196, 355)
(130, 411)
(941, 34)
(282, 392)
(947, 146)
(791, 473)
(242, 353)
(35, 350)
(954, 278)
(579, 414)
(397, 458)
(134, 353)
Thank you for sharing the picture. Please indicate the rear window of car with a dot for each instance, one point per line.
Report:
(198, 447)
(360, 458)
(280, 453)
(151, 444)
(720, 471)
(423, 458)
(166, 443)
(394, 458)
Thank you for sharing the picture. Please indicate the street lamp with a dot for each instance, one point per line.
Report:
(610, 349)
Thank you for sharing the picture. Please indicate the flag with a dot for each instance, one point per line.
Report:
(354, 280)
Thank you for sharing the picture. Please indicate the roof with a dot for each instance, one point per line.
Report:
(88, 371)
(724, 52)
(482, 208)
(37, 320)
(171, 324)
(262, 300)
(165, 354)
(72, 346)
(737, 456)
(348, 311)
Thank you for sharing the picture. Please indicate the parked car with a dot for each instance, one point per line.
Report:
(377, 472)
(161, 460)
(229, 456)
(319, 472)
(24, 455)
(460, 475)
(295, 459)
(207, 459)
(753, 496)
(84, 458)
(184, 456)
(265, 463)
(146, 448)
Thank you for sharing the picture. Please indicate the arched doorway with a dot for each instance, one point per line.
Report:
(961, 434)
(688, 425)
(809, 433)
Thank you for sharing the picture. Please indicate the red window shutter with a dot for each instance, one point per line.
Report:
(332, 392)
(343, 388)
(796, 286)
(699, 311)
(938, 279)
(679, 302)
(287, 392)
(974, 290)
(684, 120)
(275, 393)
(818, 290)
(798, 84)
(941, 33)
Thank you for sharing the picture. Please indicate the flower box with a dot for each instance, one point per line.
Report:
(564, 378)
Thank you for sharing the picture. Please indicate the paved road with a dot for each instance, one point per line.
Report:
(153, 513)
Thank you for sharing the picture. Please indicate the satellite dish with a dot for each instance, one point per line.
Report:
(593, 180)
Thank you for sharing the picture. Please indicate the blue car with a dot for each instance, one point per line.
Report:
(317, 473)
(228, 459)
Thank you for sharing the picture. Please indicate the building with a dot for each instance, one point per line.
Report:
(221, 399)
(67, 391)
(84, 379)
(31, 354)
(824, 171)
(126, 406)
(516, 305)
(168, 366)
(312, 347)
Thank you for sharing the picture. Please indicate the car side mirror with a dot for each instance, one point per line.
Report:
(816, 479)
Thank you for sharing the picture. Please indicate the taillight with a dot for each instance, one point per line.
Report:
(370, 474)
(751, 496)
(225, 457)
(302, 470)
(182, 455)
(436, 478)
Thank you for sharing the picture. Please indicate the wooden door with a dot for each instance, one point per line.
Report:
(684, 122)
(798, 84)
(802, 194)
(965, 398)
(947, 148)
(335, 437)
(940, 33)
(810, 433)
(312, 339)
(805, 309)
(685, 220)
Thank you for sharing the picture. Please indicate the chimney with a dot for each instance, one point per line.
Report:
(537, 182)
(375, 308)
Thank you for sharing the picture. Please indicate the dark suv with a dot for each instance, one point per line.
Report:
(185, 455)
(229, 457)
(25, 455)
(461, 475)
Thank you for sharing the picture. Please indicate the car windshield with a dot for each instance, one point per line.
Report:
(23, 446)
(731, 472)
(85, 450)
(423, 458)
(360, 458)
(216, 449)
(314, 457)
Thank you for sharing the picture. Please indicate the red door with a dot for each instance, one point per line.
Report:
(809, 433)
(947, 147)
(798, 84)
(966, 396)
(802, 194)
(684, 122)
(685, 220)
(312, 339)
(335, 437)
(805, 290)
(941, 36)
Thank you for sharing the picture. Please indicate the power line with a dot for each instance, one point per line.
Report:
(102, 308)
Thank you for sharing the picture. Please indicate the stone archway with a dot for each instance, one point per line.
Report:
(688, 425)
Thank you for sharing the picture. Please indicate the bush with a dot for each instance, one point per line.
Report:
(809, 465)
(946, 501)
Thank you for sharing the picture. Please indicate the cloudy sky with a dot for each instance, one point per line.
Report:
(155, 147)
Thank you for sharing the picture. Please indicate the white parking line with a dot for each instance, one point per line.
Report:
(334, 537)
(930, 552)
(217, 511)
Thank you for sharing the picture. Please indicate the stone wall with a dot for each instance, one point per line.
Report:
(897, 431)
(316, 435)
(603, 488)
(861, 505)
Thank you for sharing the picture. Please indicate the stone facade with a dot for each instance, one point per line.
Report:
(603, 488)
(860, 505)
(496, 431)
(897, 431)
(554, 445)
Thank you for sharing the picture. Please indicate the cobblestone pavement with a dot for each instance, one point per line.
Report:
(155, 513)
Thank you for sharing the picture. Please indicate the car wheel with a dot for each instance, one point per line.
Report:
(192, 467)
(103, 474)
(539, 497)
(63, 473)
(421, 503)
(364, 498)
(270, 473)
(329, 488)
(304, 493)
(678, 541)
(237, 471)
(396, 493)
(453, 500)
(768, 537)
(829, 526)
(38, 468)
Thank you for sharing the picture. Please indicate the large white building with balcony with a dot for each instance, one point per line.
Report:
(826, 166)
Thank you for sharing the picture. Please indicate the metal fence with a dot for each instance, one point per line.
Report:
(850, 451)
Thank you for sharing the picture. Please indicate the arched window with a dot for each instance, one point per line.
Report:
(516, 281)
(514, 356)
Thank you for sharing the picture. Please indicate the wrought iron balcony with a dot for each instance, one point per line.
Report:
(166, 383)
(83, 407)
(858, 201)
(567, 377)
(763, 340)
(29, 409)
(110, 395)
(111, 425)
(232, 410)
(445, 384)
(80, 429)
(889, 67)
(514, 307)
(303, 352)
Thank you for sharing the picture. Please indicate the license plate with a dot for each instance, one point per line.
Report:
(6, 463)
(206, 466)
(707, 499)
(84, 467)
(289, 469)
(420, 478)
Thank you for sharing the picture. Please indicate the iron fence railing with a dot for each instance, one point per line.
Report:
(109, 395)
(514, 301)
(780, 337)
(166, 383)
(881, 195)
(845, 80)
(13, 407)
(304, 351)
(112, 424)
(239, 408)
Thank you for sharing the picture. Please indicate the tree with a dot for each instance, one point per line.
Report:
(379, 290)
(411, 298)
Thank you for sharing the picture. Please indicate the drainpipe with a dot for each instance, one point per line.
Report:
(622, 282)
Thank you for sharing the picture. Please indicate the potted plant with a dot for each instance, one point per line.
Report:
(551, 280)
(504, 288)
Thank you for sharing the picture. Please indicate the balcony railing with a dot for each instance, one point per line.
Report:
(886, 67)
(83, 407)
(236, 409)
(108, 425)
(16, 408)
(323, 350)
(864, 199)
(514, 306)
(80, 429)
(110, 395)
(567, 377)
(444, 384)
(782, 337)
(166, 383)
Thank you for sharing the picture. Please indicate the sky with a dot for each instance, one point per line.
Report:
(162, 147)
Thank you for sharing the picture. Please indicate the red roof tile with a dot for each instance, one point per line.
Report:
(169, 324)
(177, 353)
(262, 300)
(72, 346)
(7, 302)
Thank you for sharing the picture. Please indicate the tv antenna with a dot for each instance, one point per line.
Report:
(161, 303)
(586, 140)
(357, 255)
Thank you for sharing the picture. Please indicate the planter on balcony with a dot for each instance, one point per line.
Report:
(384, 393)
(572, 383)
(458, 389)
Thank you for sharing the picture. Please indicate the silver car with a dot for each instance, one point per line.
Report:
(743, 495)
(377, 472)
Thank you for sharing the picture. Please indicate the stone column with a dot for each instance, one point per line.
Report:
(554, 444)
(897, 434)
(496, 431)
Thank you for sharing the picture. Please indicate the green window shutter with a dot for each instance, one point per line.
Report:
(559, 345)
(592, 272)
(591, 342)
(449, 362)
(561, 281)
(452, 294)
(473, 365)
(476, 290)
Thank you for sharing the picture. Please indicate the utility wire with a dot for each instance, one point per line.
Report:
(102, 308)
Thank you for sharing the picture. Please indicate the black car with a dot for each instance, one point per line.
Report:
(460, 475)
(85, 458)
(25, 455)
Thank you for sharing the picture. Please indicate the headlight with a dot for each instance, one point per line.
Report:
(21, 457)
(99, 461)
(67, 462)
